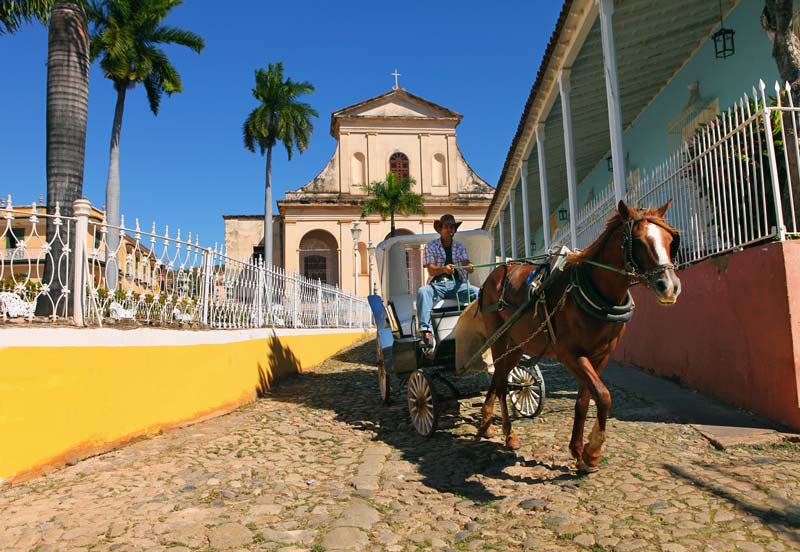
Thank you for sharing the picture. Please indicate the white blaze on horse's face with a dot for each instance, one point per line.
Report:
(656, 239)
(667, 286)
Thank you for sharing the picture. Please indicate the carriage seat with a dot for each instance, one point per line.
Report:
(402, 307)
(448, 305)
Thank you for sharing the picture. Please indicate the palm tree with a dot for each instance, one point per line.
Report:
(13, 13)
(392, 196)
(67, 107)
(280, 117)
(127, 35)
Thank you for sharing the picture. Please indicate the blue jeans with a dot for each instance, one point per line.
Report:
(445, 289)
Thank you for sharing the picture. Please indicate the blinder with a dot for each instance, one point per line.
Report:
(675, 246)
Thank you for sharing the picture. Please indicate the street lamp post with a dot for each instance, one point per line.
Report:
(356, 232)
(371, 252)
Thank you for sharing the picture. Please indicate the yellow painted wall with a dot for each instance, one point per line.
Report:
(59, 403)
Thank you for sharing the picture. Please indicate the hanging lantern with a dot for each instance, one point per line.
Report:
(723, 39)
(563, 215)
(610, 163)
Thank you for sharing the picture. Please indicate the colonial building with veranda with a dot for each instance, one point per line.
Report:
(396, 132)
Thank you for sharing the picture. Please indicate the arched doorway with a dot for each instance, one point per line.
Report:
(319, 258)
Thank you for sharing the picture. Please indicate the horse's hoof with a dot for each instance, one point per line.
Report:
(513, 443)
(585, 469)
(486, 433)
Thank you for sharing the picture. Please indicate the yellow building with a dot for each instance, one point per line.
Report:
(395, 132)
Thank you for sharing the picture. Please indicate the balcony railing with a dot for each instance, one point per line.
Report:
(733, 184)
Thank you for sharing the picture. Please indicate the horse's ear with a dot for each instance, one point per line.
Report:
(663, 209)
(624, 211)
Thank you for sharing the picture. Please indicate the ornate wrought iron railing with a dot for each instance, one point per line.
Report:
(149, 278)
(733, 184)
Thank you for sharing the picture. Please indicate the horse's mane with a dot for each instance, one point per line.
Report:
(593, 249)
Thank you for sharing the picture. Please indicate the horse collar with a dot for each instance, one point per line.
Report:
(589, 299)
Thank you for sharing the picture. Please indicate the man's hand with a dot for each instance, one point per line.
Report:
(449, 269)
(468, 267)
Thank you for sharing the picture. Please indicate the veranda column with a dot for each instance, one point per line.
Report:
(612, 96)
(513, 217)
(502, 226)
(543, 185)
(569, 149)
(526, 227)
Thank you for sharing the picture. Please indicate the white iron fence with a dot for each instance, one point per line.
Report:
(733, 184)
(156, 279)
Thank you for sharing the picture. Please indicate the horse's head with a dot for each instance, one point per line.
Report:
(649, 246)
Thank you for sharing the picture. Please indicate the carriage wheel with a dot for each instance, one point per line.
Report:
(383, 376)
(526, 389)
(422, 404)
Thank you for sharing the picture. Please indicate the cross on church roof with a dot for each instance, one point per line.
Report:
(395, 75)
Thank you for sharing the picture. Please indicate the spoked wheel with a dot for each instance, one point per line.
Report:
(526, 388)
(422, 404)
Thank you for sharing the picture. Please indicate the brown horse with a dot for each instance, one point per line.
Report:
(578, 315)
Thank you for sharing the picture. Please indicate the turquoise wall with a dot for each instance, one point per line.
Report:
(646, 142)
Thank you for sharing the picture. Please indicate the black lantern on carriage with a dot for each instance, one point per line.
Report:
(563, 215)
(610, 163)
(723, 39)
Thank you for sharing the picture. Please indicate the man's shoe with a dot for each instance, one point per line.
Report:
(427, 339)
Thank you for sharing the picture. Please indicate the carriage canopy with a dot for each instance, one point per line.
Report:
(399, 260)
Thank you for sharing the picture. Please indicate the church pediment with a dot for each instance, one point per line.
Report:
(396, 104)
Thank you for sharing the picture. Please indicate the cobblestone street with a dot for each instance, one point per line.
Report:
(322, 464)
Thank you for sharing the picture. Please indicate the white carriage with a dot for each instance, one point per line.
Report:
(401, 355)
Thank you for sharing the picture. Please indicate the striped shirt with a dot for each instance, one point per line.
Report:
(434, 253)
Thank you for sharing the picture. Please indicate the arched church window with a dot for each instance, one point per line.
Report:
(398, 164)
(358, 169)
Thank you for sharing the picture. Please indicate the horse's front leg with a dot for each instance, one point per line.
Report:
(589, 378)
(581, 408)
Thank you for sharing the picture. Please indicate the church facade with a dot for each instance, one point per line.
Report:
(396, 132)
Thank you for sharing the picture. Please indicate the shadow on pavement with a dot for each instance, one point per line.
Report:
(449, 461)
(780, 519)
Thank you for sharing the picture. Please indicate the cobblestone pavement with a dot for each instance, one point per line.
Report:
(321, 464)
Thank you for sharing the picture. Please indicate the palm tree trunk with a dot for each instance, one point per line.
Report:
(268, 211)
(391, 231)
(67, 106)
(112, 193)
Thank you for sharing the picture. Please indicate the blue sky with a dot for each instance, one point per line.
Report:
(187, 166)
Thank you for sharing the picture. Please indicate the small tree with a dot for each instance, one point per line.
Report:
(392, 196)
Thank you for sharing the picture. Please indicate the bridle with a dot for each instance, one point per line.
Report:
(632, 268)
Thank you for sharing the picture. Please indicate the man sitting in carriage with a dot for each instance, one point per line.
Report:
(445, 281)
